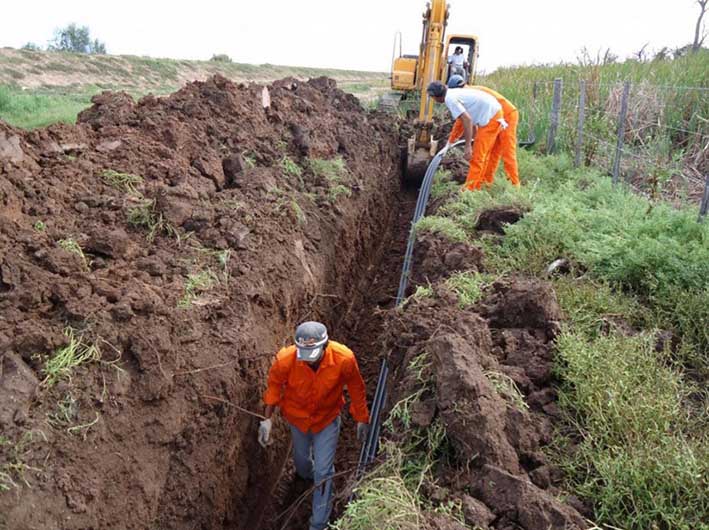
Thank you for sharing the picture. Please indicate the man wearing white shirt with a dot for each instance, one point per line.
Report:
(457, 62)
(477, 114)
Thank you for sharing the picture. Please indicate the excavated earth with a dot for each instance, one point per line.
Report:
(190, 278)
(157, 433)
(487, 376)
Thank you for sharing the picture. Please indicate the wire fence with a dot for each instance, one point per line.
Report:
(653, 138)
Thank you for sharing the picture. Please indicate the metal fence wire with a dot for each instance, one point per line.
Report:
(652, 138)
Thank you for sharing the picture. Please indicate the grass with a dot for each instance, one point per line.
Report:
(70, 245)
(444, 226)
(125, 182)
(33, 109)
(196, 284)
(65, 360)
(468, 287)
(14, 467)
(680, 108)
(145, 216)
(505, 386)
(334, 171)
(637, 268)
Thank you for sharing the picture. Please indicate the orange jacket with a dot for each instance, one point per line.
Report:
(311, 400)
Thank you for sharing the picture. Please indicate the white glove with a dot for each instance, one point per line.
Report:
(264, 432)
(503, 124)
(362, 431)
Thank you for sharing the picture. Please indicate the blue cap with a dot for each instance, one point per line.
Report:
(456, 81)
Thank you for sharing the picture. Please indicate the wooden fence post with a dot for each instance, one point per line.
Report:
(705, 200)
(579, 126)
(554, 118)
(621, 131)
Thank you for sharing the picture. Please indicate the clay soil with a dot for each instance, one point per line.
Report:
(157, 434)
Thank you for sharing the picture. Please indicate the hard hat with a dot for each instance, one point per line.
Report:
(436, 89)
(310, 341)
(456, 81)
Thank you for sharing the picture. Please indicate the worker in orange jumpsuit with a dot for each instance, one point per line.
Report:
(306, 382)
(506, 145)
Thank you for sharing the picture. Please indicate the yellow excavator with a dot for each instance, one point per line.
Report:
(411, 74)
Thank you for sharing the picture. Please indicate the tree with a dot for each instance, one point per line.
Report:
(31, 46)
(76, 39)
(221, 58)
(698, 41)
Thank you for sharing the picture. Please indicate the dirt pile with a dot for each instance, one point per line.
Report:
(183, 238)
(484, 374)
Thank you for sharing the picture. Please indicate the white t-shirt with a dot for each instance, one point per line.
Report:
(457, 60)
(480, 105)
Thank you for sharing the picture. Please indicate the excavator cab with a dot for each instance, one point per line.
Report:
(469, 44)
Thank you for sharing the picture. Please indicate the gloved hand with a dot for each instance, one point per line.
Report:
(503, 124)
(264, 432)
(362, 431)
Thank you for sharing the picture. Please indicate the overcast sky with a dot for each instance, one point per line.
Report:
(354, 34)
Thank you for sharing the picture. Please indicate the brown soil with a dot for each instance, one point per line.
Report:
(499, 471)
(147, 442)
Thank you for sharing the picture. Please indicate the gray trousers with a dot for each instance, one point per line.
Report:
(314, 456)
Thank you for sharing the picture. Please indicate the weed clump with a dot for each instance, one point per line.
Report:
(66, 359)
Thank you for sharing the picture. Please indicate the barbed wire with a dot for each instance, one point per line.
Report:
(651, 124)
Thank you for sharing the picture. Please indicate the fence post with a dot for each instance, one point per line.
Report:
(621, 131)
(554, 118)
(579, 127)
(705, 200)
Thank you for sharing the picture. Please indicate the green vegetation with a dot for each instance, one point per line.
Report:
(32, 109)
(335, 173)
(14, 467)
(468, 286)
(39, 226)
(291, 168)
(124, 182)
(67, 358)
(70, 245)
(505, 386)
(391, 495)
(665, 131)
(146, 216)
(196, 284)
(441, 225)
(637, 268)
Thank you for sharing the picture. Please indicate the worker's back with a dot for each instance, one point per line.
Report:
(507, 107)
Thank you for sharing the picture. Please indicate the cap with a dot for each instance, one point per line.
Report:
(310, 341)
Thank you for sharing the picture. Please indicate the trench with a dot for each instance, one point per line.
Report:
(354, 311)
(359, 325)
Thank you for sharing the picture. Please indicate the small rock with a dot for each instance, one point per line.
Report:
(476, 513)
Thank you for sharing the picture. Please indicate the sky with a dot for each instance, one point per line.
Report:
(355, 34)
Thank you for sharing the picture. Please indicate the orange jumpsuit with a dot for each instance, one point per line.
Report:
(312, 400)
(491, 143)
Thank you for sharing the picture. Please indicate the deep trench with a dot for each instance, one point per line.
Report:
(359, 325)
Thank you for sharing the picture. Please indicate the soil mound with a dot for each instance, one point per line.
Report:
(173, 243)
(485, 373)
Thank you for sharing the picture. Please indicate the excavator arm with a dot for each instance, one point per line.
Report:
(421, 147)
